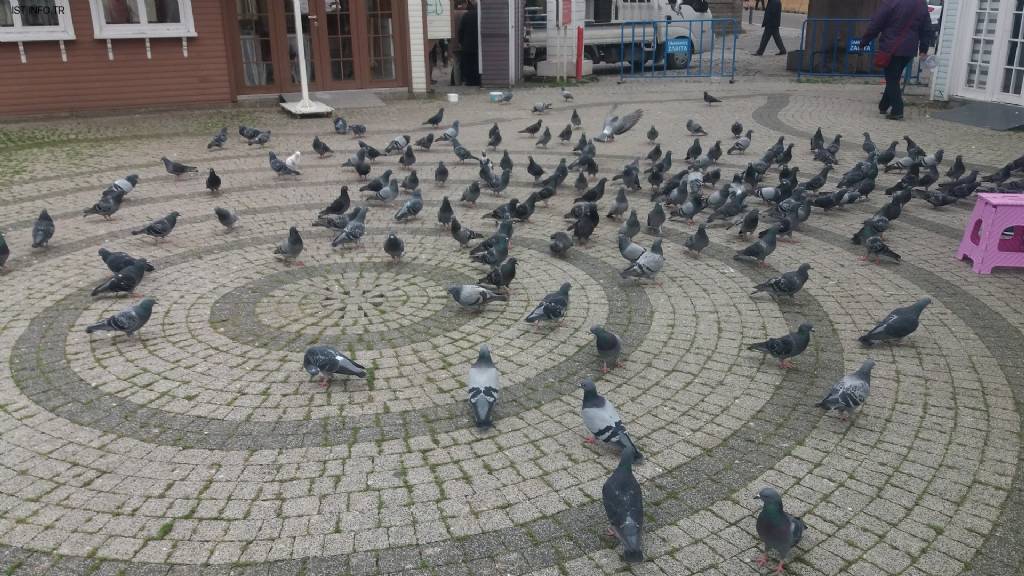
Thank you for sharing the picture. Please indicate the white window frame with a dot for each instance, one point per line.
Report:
(102, 30)
(65, 30)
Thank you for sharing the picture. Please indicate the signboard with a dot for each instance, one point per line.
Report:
(677, 46)
(439, 19)
(853, 46)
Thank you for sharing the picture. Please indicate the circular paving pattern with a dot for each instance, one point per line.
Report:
(200, 446)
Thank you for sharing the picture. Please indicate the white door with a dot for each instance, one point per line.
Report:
(990, 64)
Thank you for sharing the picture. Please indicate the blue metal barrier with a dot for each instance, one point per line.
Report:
(678, 48)
(831, 47)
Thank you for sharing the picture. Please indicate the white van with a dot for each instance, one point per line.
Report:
(604, 36)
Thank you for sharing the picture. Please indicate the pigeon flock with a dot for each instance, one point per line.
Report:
(691, 190)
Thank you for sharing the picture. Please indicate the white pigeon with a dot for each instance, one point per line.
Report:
(293, 160)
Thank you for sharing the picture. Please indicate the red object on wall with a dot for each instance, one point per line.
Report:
(579, 52)
(566, 12)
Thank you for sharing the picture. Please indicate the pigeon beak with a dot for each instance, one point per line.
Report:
(757, 496)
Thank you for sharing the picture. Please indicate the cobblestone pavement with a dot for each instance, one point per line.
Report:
(200, 447)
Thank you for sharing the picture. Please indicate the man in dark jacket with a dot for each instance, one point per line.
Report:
(771, 22)
(469, 46)
(906, 30)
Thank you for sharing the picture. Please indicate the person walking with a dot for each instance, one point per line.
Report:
(905, 29)
(469, 46)
(771, 22)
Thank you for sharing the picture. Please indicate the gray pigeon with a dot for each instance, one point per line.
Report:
(483, 388)
(462, 234)
(42, 230)
(899, 324)
(760, 249)
(117, 261)
(788, 283)
(219, 139)
(620, 204)
(778, 530)
(471, 193)
(879, 249)
(387, 194)
(411, 208)
(124, 281)
(159, 228)
(624, 505)
(647, 265)
(560, 243)
(630, 250)
(788, 346)
(473, 296)
(541, 107)
(353, 231)
(177, 169)
(545, 137)
(5, 251)
(552, 307)
(695, 128)
(699, 240)
(290, 248)
(615, 125)
(609, 347)
(850, 391)
(656, 218)
(325, 362)
(107, 205)
(279, 166)
(603, 421)
(394, 246)
(631, 227)
(128, 320)
(227, 218)
(441, 173)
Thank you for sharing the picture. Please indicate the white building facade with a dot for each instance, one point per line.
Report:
(981, 52)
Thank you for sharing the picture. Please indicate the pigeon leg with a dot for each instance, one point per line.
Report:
(300, 263)
(611, 533)
(761, 560)
(604, 368)
(779, 569)
(785, 363)
(762, 264)
(590, 440)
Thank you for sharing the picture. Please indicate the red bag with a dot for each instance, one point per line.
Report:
(882, 59)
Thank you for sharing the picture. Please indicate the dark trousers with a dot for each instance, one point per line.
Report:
(759, 4)
(892, 98)
(771, 33)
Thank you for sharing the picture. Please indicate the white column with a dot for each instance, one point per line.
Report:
(417, 54)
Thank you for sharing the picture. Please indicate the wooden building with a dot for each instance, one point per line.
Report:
(74, 55)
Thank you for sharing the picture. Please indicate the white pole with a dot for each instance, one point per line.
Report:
(301, 49)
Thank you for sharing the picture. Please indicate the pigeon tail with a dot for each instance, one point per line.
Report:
(760, 347)
(97, 327)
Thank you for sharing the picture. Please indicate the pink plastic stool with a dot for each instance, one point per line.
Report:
(983, 240)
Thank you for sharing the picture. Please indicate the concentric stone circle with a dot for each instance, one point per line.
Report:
(278, 478)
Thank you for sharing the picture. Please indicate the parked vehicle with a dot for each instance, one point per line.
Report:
(935, 11)
(603, 33)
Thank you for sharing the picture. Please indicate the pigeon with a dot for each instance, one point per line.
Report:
(566, 134)
(630, 250)
(494, 255)
(473, 296)
(709, 99)
(339, 205)
(321, 148)
(353, 231)
(334, 221)
(957, 169)
(545, 137)
(874, 226)
(913, 149)
(541, 107)
(532, 129)
(586, 222)
(603, 421)
(879, 249)
(786, 347)
(461, 234)
(575, 120)
(358, 130)
(652, 134)
(939, 199)
(471, 193)
(107, 206)
(849, 392)
(482, 388)
(778, 530)
(695, 128)
(615, 125)
(647, 265)
(425, 142)
(609, 347)
(445, 213)
(818, 180)
(631, 227)
(619, 205)
(501, 276)
(698, 241)
(410, 182)
(340, 125)
(397, 144)
(213, 181)
(122, 186)
(129, 320)
(175, 169)
(552, 307)
(461, 152)
(159, 228)
(594, 194)
(534, 169)
(281, 168)
(656, 219)
(5, 251)
(624, 505)
(788, 283)
(219, 139)
(494, 140)
(560, 243)
(885, 156)
(899, 324)
(694, 151)
(655, 154)
(435, 120)
(387, 194)
(227, 218)
(394, 246)
(247, 133)
(371, 152)
(123, 281)
(742, 144)
(441, 173)
(505, 97)
(566, 95)
(325, 362)
(290, 248)
(117, 261)
(261, 138)
(760, 249)
(408, 158)
(868, 146)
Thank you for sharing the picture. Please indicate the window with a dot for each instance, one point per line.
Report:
(30, 20)
(142, 18)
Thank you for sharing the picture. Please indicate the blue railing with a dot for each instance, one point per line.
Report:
(678, 48)
(831, 47)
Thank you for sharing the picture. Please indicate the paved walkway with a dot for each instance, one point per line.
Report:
(201, 447)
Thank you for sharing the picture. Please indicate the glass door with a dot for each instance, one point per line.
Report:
(309, 22)
(982, 36)
(255, 27)
(337, 34)
(359, 43)
(1010, 84)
